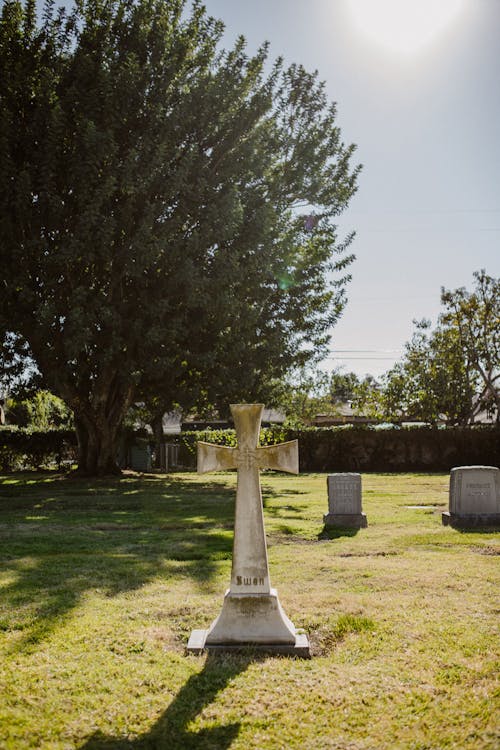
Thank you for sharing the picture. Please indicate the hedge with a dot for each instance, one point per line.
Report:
(349, 448)
(329, 449)
(29, 448)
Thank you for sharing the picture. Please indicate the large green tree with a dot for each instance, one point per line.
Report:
(167, 210)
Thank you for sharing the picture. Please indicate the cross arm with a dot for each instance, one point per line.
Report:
(281, 457)
(214, 457)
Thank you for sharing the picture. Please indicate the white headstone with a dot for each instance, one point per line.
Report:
(474, 496)
(251, 612)
(344, 501)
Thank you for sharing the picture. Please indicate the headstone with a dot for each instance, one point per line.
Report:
(140, 458)
(474, 497)
(344, 501)
(251, 612)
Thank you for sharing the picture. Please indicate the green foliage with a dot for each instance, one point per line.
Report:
(19, 375)
(353, 448)
(31, 448)
(308, 392)
(475, 319)
(451, 373)
(42, 411)
(343, 386)
(303, 395)
(154, 239)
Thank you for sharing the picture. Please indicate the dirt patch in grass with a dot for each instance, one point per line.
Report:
(486, 550)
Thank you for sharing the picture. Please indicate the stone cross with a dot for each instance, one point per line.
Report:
(251, 613)
(250, 571)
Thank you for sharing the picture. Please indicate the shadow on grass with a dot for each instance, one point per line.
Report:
(270, 493)
(335, 532)
(493, 529)
(171, 730)
(60, 539)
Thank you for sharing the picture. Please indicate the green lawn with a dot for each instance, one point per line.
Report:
(102, 582)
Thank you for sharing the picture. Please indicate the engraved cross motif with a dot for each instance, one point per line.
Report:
(245, 458)
(250, 570)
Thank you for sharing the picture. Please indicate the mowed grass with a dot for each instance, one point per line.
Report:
(101, 584)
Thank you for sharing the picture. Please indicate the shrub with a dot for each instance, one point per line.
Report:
(29, 448)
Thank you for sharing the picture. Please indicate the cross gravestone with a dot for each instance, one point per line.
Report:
(474, 497)
(251, 612)
(344, 501)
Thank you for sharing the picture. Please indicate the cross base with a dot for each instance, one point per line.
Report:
(197, 645)
(254, 621)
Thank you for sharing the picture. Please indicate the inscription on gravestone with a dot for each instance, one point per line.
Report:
(344, 501)
(474, 498)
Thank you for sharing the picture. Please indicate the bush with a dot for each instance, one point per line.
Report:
(29, 448)
(332, 449)
(353, 448)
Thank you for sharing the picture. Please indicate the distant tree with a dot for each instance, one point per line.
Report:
(343, 386)
(155, 201)
(42, 410)
(450, 373)
(475, 318)
(303, 395)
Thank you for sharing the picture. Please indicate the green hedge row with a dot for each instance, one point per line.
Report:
(27, 448)
(331, 449)
(349, 448)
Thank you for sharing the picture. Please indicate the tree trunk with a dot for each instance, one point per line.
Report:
(98, 446)
(98, 428)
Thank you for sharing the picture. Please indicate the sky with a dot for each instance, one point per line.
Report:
(417, 85)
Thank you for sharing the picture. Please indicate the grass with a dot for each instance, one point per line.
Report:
(101, 584)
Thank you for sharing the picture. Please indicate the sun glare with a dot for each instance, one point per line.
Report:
(404, 25)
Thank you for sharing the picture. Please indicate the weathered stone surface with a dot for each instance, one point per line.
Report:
(251, 618)
(300, 648)
(251, 612)
(344, 501)
(474, 497)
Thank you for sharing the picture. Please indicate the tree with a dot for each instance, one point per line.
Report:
(154, 197)
(450, 373)
(42, 410)
(302, 395)
(475, 318)
(343, 386)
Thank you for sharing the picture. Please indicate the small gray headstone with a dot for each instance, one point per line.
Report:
(344, 501)
(140, 458)
(474, 497)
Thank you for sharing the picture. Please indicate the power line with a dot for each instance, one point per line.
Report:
(365, 359)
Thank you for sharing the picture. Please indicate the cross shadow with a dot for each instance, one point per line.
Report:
(171, 730)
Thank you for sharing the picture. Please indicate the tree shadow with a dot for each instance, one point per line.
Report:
(171, 730)
(61, 539)
(335, 532)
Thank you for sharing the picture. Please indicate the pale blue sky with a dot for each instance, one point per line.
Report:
(427, 126)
